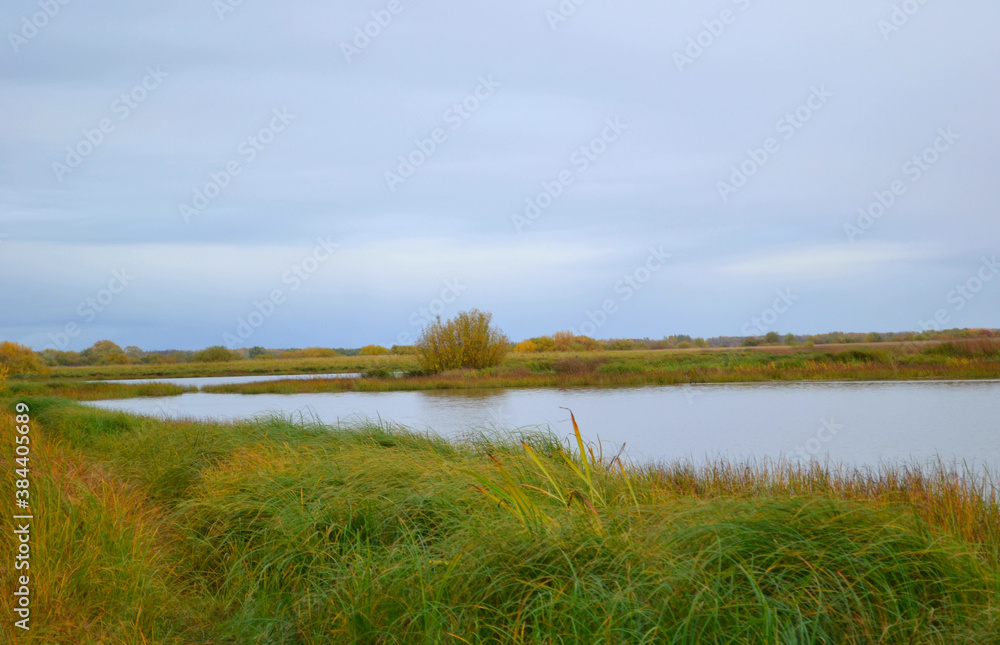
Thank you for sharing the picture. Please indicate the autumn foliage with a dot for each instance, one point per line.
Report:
(467, 340)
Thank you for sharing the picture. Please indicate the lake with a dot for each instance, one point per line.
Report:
(854, 423)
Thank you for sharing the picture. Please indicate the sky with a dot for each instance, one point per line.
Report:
(192, 173)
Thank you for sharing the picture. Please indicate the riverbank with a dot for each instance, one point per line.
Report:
(875, 362)
(279, 532)
(625, 369)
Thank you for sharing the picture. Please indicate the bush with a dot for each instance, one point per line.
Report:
(105, 352)
(544, 343)
(309, 352)
(526, 347)
(216, 354)
(18, 359)
(258, 352)
(373, 350)
(467, 341)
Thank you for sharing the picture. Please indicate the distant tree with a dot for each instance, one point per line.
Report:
(586, 344)
(700, 342)
(874, 337)
(216, 354)
(526, 347)
(562, 341)
(467, 340)
(257, 352)
(772, 337)
(310, 352)
(134, 353)
(751, 342)
(790, 339)
(544, 343)
(403, 349)
(684, 345)
(19, 359)
(373, 350)
(104, 352)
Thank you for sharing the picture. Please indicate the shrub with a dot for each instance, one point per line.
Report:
(467, 340)
(258, 352)
(310, 352)
(18, 359)
(105, 352)
(544, 343)
(215, 354)
(526, 347)
(373, 350)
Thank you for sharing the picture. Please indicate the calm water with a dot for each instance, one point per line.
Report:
(855, 423)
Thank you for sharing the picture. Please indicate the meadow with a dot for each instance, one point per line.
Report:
(975, 360)
(281, 531)
(971, 359)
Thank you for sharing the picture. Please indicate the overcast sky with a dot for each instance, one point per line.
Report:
(624, 169)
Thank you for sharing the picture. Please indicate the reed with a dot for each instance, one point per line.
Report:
(281, 530)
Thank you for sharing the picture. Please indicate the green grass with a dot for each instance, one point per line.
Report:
(971, 359)
(282, 531)
(246, 367)
(84, 391)
(625, 369)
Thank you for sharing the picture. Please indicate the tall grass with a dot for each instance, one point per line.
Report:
(572, 372)
(283, 531)
(86, 391)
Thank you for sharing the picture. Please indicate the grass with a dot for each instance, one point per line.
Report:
(969, 359)
(282, 531)
(623, 369)
(247, 367)
(84, 391)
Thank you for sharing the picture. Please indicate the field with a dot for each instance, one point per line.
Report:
(978, 359)
(277, 531)
(622, 369)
